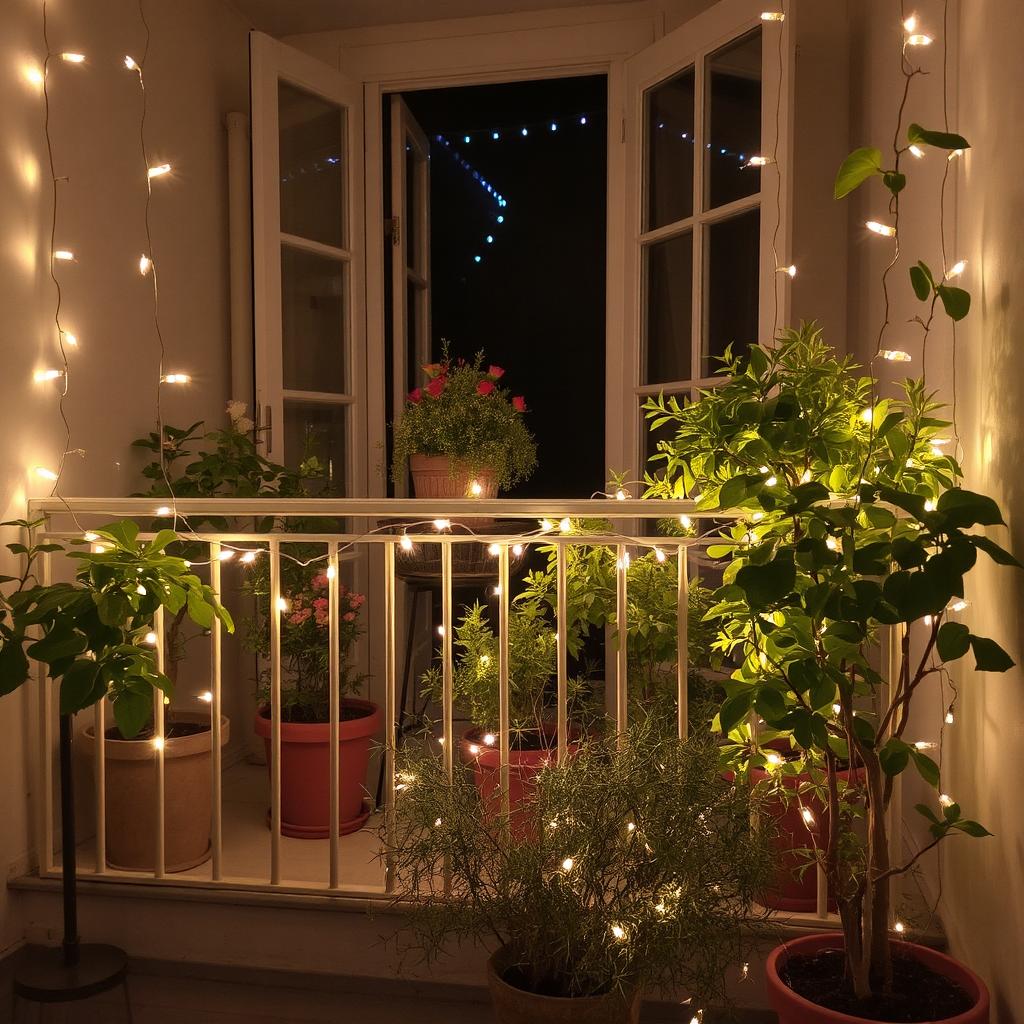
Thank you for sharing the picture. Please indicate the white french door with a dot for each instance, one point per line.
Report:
(706, 229)
(308, 263)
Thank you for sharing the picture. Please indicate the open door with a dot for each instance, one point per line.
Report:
(308, 262)
(706, 228)
(410, 253)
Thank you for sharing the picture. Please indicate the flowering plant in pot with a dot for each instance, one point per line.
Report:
(305, 696)
(463, 434)
(636, 873)
(98, 641)
(852, 521)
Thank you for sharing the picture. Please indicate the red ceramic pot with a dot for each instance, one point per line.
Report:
(306, 771)
(794, 1009)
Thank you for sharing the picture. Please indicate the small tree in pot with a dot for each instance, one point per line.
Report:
(852, 522)
(636, 873)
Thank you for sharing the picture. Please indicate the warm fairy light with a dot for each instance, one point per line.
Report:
(163, 510)
(618, 931)
(493, 549)
(910, 24)
(206, 697)
(630, 826)
(437, 822)
(772, 16)
(282, 604)
(959, 606)
(331, 572)
(620, 495)
(831, 543)
(659, 554)
(73, 58)
(836, 709)
(48, 374)
(808, 815)
(622, 564)
(33, 75)
(946, 800)
(916, 151)
(485, 660)
(249, 557)
(929, 505)
(517, 549)
(887, 230)
(141, 590)
(925, 745)
(744, 971)
(476, 489)
(64, 255)
(45, 472)
(151, 638)
(406, 542)
(175, 378)
(474, 749)
(442, 524)
(949, 717)
(546, 525)
(898, 928)
(158, 743)
(489, 739)
(90, 536)
(567, 864)
(758, 161)
(145, 264)
(496, 591)
(773, 758)
(565, 525)
(790, 270)
(440, 630)
(771, 481)
(159, 170)
(685, 522)
(805, 477)
(71, 339)
(919, 39)
(130, 64)
(895, 355)
(955, 154)
(957, 269)
(867, 415)
(226, 554)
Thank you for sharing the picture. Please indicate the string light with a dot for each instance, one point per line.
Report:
(868, 414)
(440, 630)
(442, 524)
(33, 75)
(175, 378)
(489, 738)
(89, 536)
(567, 864)
(919, 39)
(618, 931)
(494, 549)
(910, 24)
(758, 161)
(886, 230)
(206, 697)
(808, 815)
(517, 549)
(773, 758)
(474, 749)
(71, 339)
(957, 269)
(916, 151)
(158, 743)
(282, 604)
(744, 971)
(925, 745)
(929, 505)
(226, 554)
(959, 606)
(685, 522)
(64, 255)
(659, 554)
(895, 355)
(331, 572)
(546, 525)
(621, 495)
(151, 638)
(898, 928)
(130, 64)
(159, 171)
(949, 715)
(476, 488)
(406, 542)
(955, 154)
(946, 800)
(163, 510)
(772, 16)
(45, 473)
(565, 525)
(249, 557)
(790, 270)
(48, 374)
(145, 264)
(73, 58)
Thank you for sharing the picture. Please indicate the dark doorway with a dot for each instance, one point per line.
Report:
(517, 213)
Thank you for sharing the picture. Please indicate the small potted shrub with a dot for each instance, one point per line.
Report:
(636, 873)
(305, 700)
(98, 641)
(852, 521)
(462, 434)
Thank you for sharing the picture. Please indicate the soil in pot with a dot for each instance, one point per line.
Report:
(919, 993)
(306, 769)
(131, 798)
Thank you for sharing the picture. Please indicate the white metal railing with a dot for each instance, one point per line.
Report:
(67, 519)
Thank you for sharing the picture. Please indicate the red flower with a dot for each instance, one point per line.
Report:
(415, 396)
(495, 372)
(485, 387)
(436, 386)
(519, 403)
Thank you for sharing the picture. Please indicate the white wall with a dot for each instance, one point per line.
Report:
(196, 72)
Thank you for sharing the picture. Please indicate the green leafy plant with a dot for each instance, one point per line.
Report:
(463, 413)
(94, 634)
(635, 868)
(851, 521)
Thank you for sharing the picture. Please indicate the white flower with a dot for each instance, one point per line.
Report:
(243, 425)
(236, 410)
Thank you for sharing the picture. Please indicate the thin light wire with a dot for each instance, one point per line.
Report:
(778, 179)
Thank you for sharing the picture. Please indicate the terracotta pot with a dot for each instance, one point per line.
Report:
(794, 1009)
(131, 797)
(433, 476)
(306, 771)
(517, 1006)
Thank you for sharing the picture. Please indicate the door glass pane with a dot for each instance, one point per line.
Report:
(311, 141)
(733, 286)
(670, 150)
(412, 322)
(412, 239)
(313, 321)
(669, 308)
(734, 120)
(317, 429)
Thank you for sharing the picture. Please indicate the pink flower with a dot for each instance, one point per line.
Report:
(358, 600)
(320, 582)
(415, 396)
(299, 617)
(322, 617)
(485, 387)
(320, 603)
(495, 372)
(436, 386)
(349, 616)
(519, 403)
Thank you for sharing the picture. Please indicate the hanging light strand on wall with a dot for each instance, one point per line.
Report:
(777, 18)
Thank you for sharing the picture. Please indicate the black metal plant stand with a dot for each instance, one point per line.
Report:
(74, 970)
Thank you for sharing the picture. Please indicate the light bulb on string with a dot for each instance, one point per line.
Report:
(206, 697)
(73, 58)
(442, 524)
(130, 64)
(282, 604)
(957, 269)
(151, 638)
(517, 550)
(949, 719)
(493, 549)
(48, 374)
(916, 151)
(955, 154)
(789, 271)
(476, 488)
(772, 16)
(910, 23)
(583, 119)
(175, 378)
(919, 39)
(406, 542)
(226, 554)
(249, 557)
(71, 339)
(525, 132)
(758, 161)
(158, 171)
(495, 136)
(64, 255)
(886, 230)
(45, 473)
(145, 264)
(946, 800)
(554, 126)
(685, 522)
(895, 355)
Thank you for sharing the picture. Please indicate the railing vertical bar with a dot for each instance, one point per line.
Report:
(46, 752)
(100, 784)
(390, 713)
(446, 656)
(894, 821)
(275, 712)
(504, 725)
(562, 640)
(621, 632)
(334, 656)
(216, 797)
(683, 641)
(159, 741)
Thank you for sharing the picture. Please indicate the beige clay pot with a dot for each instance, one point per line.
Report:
(130, 769)
(433, 477)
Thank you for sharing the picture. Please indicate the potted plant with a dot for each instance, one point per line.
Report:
(462, 434)
(636, 873)
(305, 699)
(97, 640)
(532, 696)
(852, 522)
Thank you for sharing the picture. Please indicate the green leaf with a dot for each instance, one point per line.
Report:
(14, 667)
(764, 585)
(953, 641)
(919, 136)
(955, 301)
(926, 767)
(927, 812)
(989, 656)
(894, 756)
(770, 704)
(995, 552)
(972, 828)
(860, 165)
(131, 712)
(966, 508)
(199, 611)
(921, 282)
(734, 710)
(81, 686)
(61, 642)
(894, 181)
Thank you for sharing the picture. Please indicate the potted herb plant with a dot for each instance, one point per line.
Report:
(852, 521)
(305, 699)
(97, 640)
(637, 873)
(462, 434)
